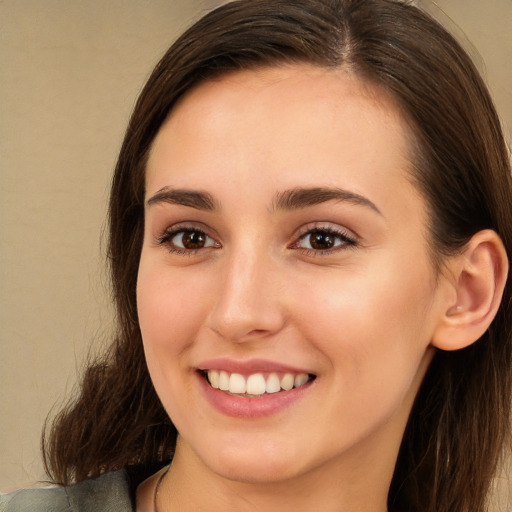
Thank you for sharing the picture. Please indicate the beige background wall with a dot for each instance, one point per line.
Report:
(69, 75)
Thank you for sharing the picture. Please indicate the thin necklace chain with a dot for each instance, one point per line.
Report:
(157, 488)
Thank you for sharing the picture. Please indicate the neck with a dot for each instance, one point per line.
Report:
(190, 486)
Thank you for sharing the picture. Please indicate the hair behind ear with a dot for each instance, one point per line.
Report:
(479, 274)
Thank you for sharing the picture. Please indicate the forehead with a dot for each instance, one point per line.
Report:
(307, 93)
(285, 127)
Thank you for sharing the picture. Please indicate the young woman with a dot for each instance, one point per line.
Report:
(309, 227)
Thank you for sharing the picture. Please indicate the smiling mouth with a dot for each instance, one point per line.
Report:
(255, 384)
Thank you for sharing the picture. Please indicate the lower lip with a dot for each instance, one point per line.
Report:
(251, 407)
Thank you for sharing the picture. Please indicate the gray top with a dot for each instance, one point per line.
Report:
(107, 493)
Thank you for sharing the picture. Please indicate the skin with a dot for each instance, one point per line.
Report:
(359, 316)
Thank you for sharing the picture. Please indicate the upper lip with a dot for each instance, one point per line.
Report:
(249, 366)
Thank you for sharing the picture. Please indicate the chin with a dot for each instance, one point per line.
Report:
(258, 466)
(261, 472)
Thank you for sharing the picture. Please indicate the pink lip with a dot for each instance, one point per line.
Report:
(251, 407)
(249, 366)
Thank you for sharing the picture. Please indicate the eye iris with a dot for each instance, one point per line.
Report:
(321, 240)
(193, 240)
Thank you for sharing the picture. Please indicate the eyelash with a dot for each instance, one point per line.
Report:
(347, 240)
(166, 240)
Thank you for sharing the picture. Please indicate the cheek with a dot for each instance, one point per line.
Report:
(371, 320)
(169, 311)
(170, 316)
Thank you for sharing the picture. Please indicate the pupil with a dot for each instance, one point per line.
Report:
(321, 241)
(193, 240)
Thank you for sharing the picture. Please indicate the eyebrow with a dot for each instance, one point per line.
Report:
(297, 198)
(184, 197)
(293, 199)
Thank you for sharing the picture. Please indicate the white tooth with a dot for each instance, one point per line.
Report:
(256, 384)
(287, 381)
(223, 380)
(273, 384)
(213, 377)
(237, 383)
(301, 379)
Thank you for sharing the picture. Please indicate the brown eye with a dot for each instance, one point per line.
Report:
(321, 240)
(192, 239)
(189, 240)
(324, 240)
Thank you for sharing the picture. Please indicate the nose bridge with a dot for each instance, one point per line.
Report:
(248, 304)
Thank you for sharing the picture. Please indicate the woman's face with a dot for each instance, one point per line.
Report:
(286, 246)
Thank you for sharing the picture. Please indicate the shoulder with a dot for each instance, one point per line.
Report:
(107, 493)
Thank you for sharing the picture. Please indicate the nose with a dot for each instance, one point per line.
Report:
(249, 305)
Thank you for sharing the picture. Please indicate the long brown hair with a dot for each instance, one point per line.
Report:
(461, 417)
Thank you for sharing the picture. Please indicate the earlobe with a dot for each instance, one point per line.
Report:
(479, 277)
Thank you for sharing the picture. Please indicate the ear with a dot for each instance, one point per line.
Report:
(477, 278)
